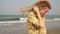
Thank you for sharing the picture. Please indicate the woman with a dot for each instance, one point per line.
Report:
(36, 18)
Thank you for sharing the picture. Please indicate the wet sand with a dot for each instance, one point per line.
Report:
(53, 27)
(53, 31)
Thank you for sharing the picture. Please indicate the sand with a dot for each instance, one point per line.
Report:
(53, 27)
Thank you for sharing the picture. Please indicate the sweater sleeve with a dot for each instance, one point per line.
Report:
(32, 18)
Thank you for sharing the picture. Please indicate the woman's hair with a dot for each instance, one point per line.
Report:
(39, 4)
(43, 4)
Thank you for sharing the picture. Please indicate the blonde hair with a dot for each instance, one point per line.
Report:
(39, 4)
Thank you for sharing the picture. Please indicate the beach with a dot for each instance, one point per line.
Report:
(53, 27)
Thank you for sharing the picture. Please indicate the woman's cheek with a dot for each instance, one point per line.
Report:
(46, 11)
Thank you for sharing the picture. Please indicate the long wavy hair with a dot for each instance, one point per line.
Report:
(38, 3)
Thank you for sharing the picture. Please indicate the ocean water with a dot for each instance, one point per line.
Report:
(17, 17)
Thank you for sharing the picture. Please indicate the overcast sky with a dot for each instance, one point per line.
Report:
(10, 7)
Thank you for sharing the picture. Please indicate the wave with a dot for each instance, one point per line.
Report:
(56, 18)
(20, 21)
(24, 20)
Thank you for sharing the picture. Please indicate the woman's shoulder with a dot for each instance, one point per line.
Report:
(31, 14)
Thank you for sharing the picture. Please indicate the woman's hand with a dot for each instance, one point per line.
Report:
(36, 9)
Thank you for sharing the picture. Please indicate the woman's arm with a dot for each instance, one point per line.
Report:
(39, 16)
(37, 11)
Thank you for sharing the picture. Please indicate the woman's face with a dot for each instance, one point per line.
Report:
(44, 10)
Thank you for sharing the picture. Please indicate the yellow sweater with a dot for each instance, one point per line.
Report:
(32, 19)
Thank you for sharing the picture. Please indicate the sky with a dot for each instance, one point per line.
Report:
(10, 7)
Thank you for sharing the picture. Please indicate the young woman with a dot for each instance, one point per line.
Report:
(36, 18)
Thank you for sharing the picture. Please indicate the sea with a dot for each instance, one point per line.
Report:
(20, 17)
(17, 24)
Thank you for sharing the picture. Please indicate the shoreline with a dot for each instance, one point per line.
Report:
(24, 21)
